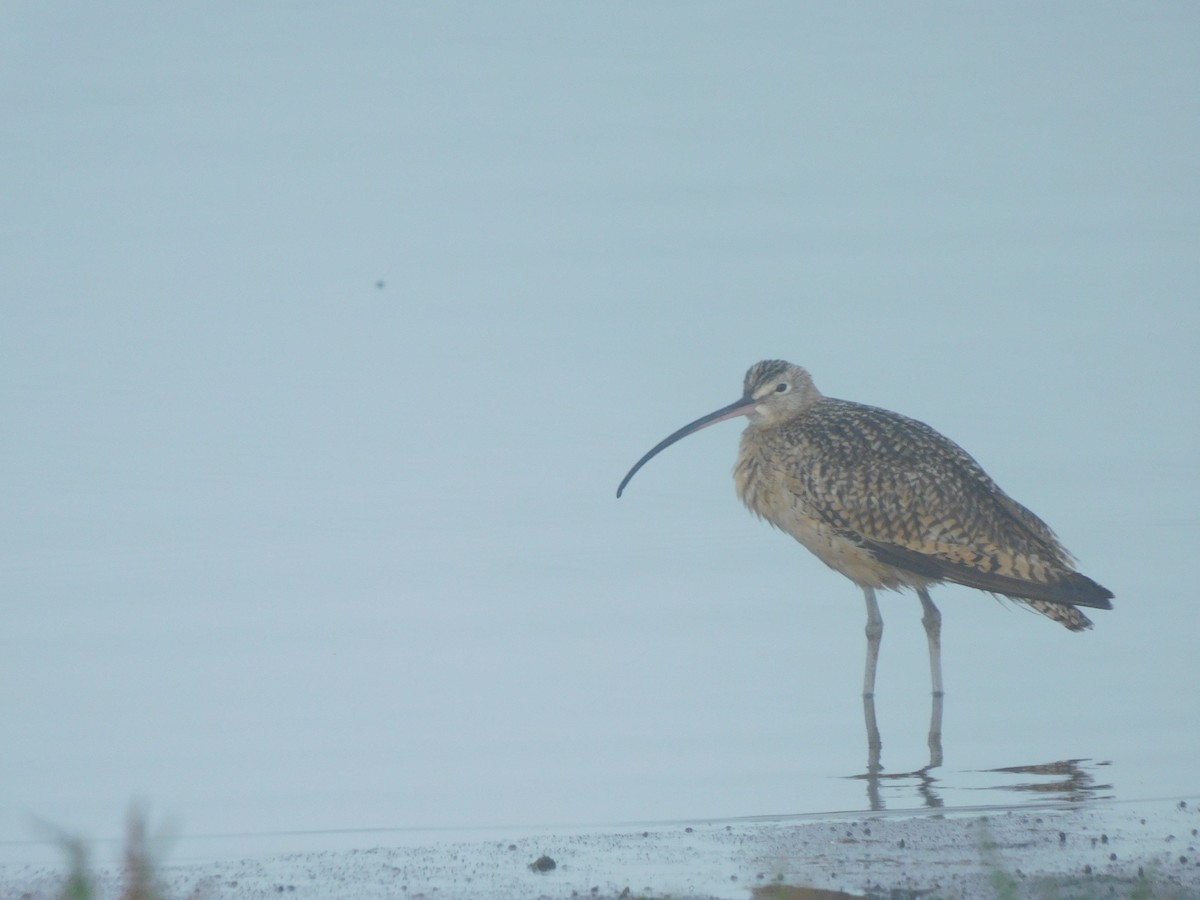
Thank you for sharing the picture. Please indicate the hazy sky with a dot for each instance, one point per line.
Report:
(328, 330)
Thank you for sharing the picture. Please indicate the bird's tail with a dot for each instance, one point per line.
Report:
(1059, 600)
(1069, 616)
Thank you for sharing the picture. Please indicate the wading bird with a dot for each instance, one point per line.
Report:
(890, 503)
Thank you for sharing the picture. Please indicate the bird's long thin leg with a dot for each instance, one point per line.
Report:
(874, 633)
(932, 620)
(935, 732)
(874, 747)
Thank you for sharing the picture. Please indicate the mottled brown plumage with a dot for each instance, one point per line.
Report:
(890, 503)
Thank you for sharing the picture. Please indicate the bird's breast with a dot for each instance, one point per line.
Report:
(766, 476)
(770, 480)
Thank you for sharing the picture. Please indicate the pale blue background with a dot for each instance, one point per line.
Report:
(286, 550)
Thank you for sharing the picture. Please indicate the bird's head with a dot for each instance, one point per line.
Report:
(773, 392)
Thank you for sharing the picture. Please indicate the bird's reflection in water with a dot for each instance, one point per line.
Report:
(1067, 780)
(874, 776)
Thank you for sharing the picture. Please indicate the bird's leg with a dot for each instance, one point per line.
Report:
(874, 633)
(932, 620)
(935, 732)
(874, 746)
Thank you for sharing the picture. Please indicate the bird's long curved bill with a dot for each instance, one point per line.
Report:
(739, 408)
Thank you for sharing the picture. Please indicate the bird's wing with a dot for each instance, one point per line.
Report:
(921, 503)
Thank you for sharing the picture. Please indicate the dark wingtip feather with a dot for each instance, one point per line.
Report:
(1072, 589)
(1080, 590)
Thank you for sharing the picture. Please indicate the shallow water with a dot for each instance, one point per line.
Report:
(327, 339)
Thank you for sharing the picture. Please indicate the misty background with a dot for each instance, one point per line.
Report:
(327, 333)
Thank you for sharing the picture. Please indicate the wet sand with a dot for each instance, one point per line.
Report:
(1146, 849)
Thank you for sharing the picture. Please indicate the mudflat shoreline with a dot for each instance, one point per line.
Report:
(1144, 849)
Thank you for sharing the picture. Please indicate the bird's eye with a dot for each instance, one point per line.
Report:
(781, 388)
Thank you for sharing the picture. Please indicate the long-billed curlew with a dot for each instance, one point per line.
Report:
(890, 503)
